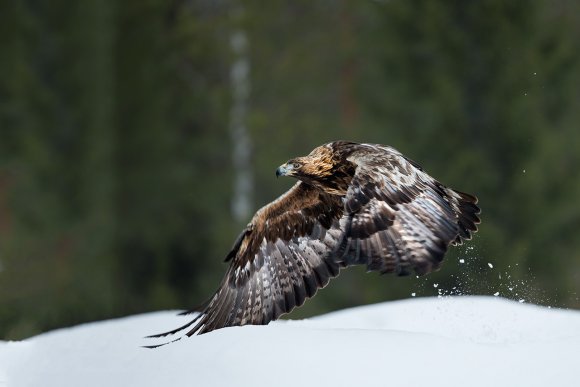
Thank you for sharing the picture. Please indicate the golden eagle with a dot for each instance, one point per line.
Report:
(354, 204)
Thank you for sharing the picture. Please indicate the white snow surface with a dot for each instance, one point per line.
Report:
(450, 341)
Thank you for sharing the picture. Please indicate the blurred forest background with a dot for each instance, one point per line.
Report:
(138, 137)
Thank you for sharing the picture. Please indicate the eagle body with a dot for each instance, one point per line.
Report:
(353, 204)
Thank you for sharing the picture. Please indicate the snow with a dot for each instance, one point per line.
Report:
(449, 341)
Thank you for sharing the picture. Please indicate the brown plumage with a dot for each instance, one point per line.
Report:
(354, 204)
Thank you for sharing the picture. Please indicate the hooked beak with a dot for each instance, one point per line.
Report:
(284, 170)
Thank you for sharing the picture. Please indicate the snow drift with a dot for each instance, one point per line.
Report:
(452, 341)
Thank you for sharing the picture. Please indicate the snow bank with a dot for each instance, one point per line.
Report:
(455, 341)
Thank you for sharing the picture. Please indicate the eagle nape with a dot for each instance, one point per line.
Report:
(353, 204)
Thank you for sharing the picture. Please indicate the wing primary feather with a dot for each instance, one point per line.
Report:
(174, 331)
(278, 301)
(298, 282)
(160, 345)
(218, 311)
(309, 277)
(248, 308)
(289, 274)
(200, 308)
(243, 295)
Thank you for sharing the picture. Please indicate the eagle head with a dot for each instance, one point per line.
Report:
(320, 168)
(317, 164)
(289, 168)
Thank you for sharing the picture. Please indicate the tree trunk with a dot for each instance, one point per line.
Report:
(241, 141)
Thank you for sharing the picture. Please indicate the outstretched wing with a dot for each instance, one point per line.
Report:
(393, 218)
(398, 218)
(279, 260)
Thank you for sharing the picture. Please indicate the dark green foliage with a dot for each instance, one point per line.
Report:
(115, 155)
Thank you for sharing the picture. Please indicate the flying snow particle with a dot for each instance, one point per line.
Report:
(496, 294)
(435, 285)
(462, 261)
(413, 294)
(490, 265)
(521, 301)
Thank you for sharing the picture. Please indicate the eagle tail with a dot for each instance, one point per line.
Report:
(465, 206)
